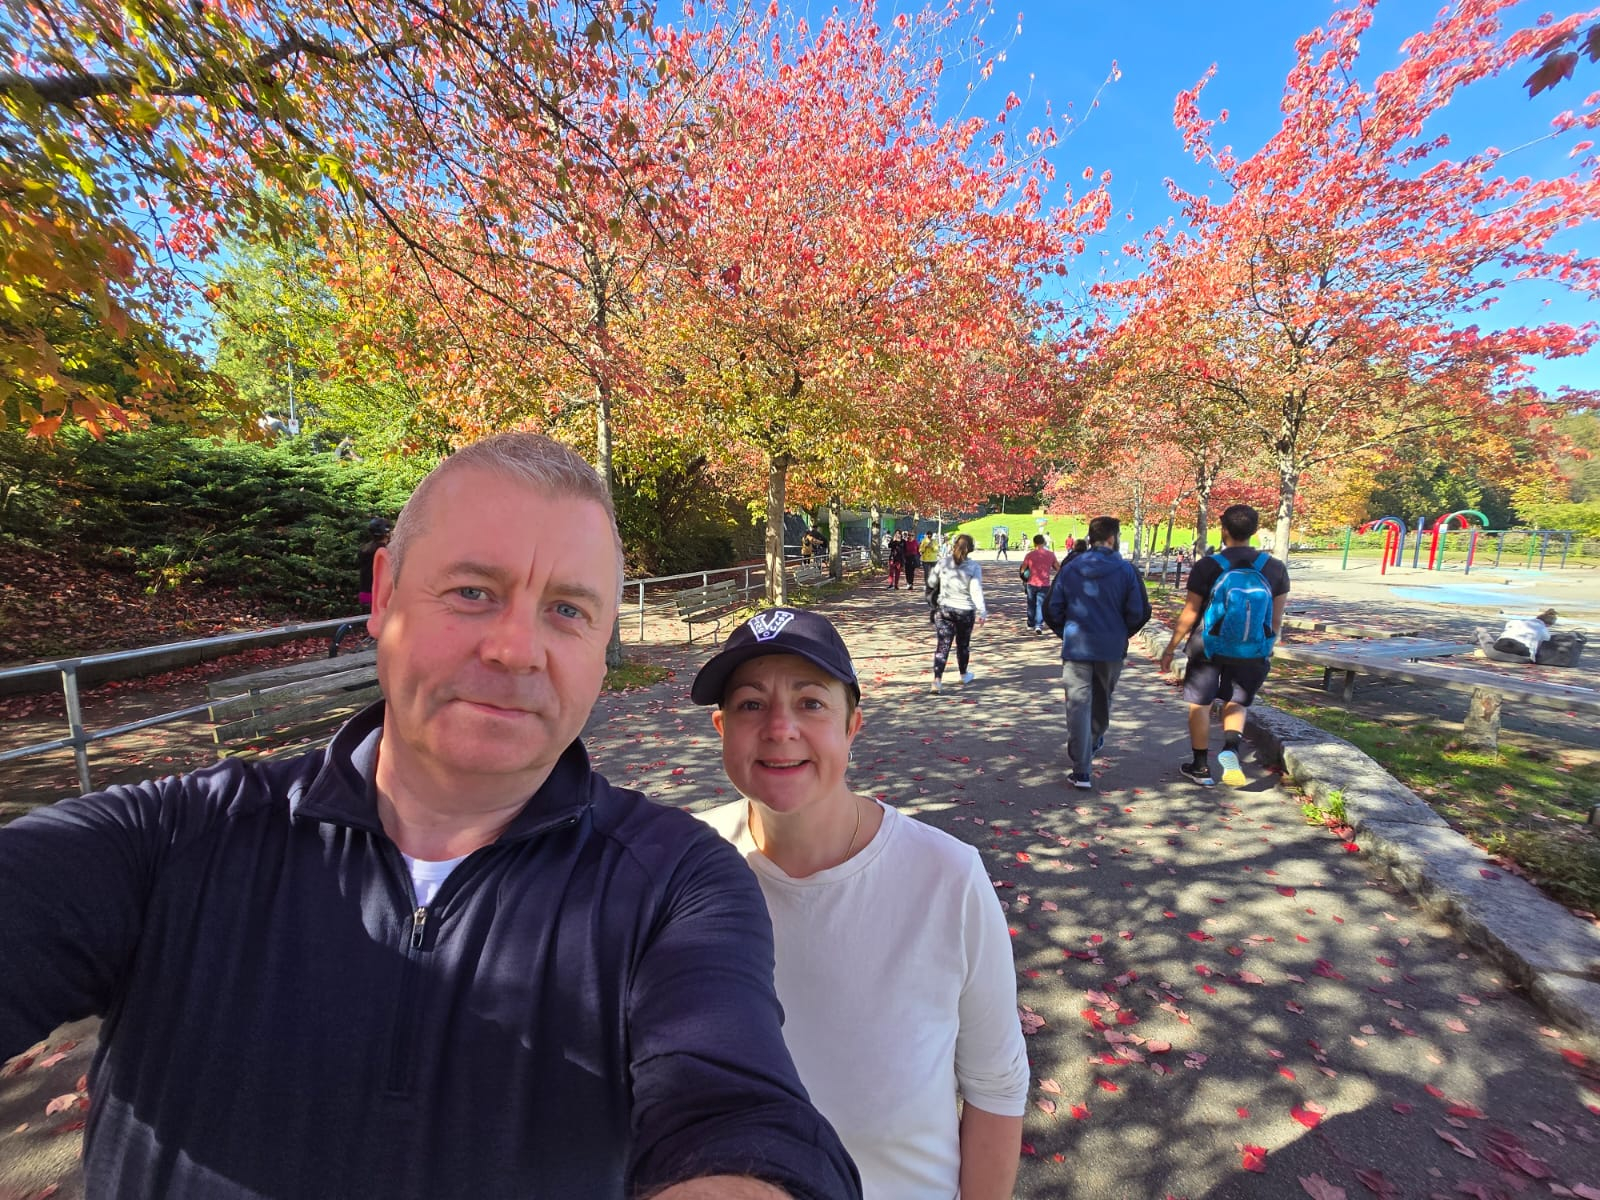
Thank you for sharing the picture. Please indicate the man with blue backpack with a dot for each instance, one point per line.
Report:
(1234, 611)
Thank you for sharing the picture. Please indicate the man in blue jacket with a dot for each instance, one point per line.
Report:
(441, 957)
(1096, 604)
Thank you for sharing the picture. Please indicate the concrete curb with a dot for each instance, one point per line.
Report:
(1543, 947)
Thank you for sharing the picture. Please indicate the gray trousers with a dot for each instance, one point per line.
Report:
(1089, 686)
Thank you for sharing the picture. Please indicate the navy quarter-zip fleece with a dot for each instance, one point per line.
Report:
(585, 1010)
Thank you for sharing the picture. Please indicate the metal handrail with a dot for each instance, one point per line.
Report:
(79, 739)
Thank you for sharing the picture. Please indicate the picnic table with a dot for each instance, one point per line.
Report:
(1409, 659)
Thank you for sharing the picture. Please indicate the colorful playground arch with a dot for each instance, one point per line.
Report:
(1394, 536)
(1442, 526)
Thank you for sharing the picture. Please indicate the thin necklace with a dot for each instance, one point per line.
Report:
(854, 833)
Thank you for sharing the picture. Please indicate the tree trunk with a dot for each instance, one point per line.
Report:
(1203, 484)
(602, 466)
(875, 534)
(777, 482)
(835, 525)
(1288, 482)
(1138, 520)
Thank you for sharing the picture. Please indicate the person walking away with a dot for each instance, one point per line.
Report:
(1098, 601)
(885, 1017)
(912, 559)
(955, 600)
(1038, 571)
(897, 562)
(1231, 616)
(1081, 546)
(378, 531)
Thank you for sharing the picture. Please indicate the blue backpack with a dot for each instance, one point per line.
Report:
(1237, 622)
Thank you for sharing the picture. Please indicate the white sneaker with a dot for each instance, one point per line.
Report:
(937, 686)
(968, 677)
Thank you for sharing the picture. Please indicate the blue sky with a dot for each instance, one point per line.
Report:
(1066, 48)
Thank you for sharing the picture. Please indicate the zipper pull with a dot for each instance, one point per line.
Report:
(419, 923)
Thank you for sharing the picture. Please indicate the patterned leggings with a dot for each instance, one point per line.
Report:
(953, 625)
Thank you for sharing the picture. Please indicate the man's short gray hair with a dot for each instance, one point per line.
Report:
(543, 464)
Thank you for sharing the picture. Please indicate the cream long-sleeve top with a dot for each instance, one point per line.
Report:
(899, 994)
(961, 586)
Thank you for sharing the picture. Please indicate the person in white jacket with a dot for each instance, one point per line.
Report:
(955, 601)
(893, 961)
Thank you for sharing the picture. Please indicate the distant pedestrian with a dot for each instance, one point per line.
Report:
(1081, 546)
(930, 555)
(1234, 610)
(955, 596)
(378, 531)
(1038, 570)
(912, 558)
(1098, 601)
(897, 562)
(1004, 545)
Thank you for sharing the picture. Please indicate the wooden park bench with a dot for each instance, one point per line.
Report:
(709, 602)
(270, 712)
(1407, 659)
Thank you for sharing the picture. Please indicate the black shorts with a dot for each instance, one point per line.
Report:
(1235, 680)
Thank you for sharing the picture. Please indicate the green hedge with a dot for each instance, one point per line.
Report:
(279, 523)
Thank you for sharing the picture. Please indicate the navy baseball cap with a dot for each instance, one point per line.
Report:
(776, 631)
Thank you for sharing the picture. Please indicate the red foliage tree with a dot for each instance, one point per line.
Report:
(1324, 294)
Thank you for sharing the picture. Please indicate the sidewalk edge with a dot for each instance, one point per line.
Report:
(1552, 954)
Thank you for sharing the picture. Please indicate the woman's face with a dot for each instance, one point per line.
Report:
(786, 728)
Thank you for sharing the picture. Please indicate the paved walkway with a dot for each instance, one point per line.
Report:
(1213, 985)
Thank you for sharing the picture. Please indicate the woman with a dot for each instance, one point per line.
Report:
(897, 562)
(893, 960)
(930, 555)
(955, 592)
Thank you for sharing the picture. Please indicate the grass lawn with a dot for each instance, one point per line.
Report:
(1022, 526)
(633, 675)
(1527, 803)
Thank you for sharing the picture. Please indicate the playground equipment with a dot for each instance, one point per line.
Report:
(1539, 542)
(1442, 525)
(1394, 535)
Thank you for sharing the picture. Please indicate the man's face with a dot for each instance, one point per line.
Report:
(492, 640)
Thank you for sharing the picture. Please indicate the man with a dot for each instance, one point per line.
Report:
(441, 957)
(1234, 631)
(1096, 604)
(1039, 570)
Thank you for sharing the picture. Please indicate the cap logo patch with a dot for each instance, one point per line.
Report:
(769, 625)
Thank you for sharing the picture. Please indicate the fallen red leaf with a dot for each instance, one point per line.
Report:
(1255, 1159)
(1080, 1112)
(1319, 1188)
(1107, 1086)
(1309, 1115)
(1456, 1144)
